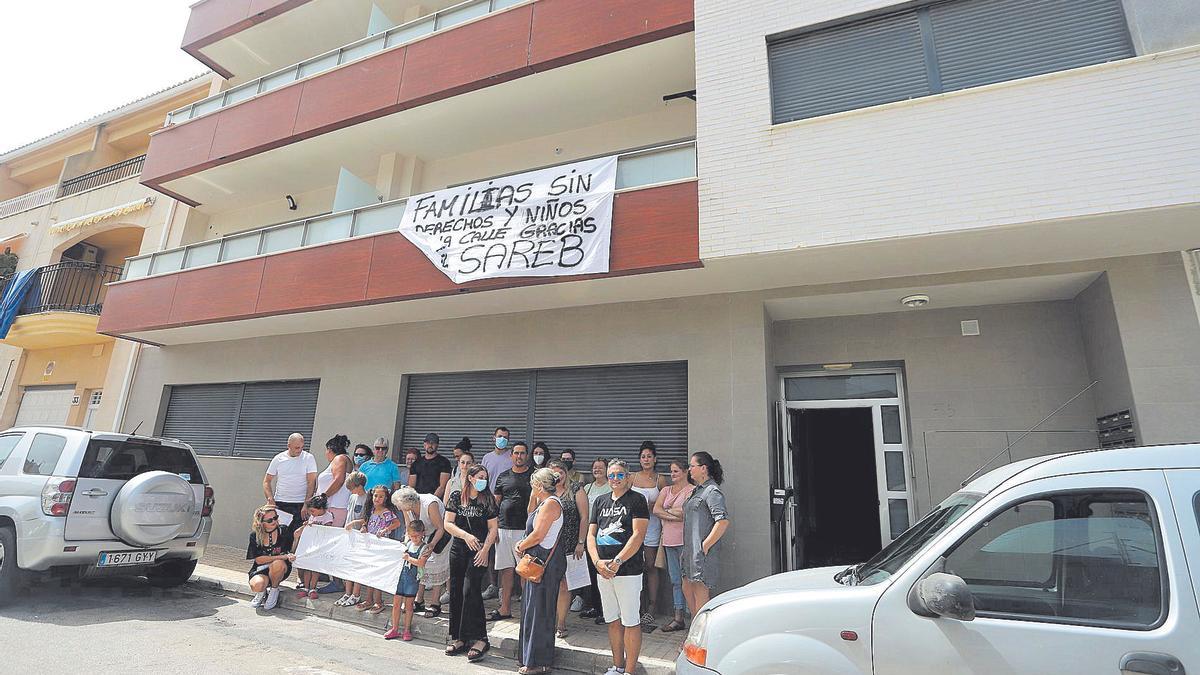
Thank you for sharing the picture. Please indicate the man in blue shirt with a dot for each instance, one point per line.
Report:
(381, 470)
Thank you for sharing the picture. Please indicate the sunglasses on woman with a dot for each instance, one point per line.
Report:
(271, 520)
(360, 454)
(620, 475)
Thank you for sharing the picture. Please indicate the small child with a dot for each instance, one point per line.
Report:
(410, 574)
(355, 482)
(318, 514)
(380, 518)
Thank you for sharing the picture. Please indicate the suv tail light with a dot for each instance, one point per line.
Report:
(56, 496)
(210, 501)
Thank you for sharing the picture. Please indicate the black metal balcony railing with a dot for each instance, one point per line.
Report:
(109, 174)
(68, 286)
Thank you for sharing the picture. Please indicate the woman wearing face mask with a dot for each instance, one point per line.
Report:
(472, 517)
(594, 490)
(540, 455)
(649, 483)
(362, 453)
(575, 511)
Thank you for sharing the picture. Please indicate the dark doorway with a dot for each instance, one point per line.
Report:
(837, 497)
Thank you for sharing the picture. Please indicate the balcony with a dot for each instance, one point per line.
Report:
(61, 306)
(471, 47)
(268, 271)
(73, 186)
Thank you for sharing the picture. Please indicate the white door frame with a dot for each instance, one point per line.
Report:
(876, 406)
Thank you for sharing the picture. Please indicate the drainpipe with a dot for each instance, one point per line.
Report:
(131, 368)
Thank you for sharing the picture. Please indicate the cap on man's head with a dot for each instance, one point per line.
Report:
(432, 438)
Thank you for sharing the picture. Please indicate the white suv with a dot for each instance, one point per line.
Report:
(100, 503)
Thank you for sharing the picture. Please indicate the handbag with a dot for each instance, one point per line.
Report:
(531, 568)
(660, 560)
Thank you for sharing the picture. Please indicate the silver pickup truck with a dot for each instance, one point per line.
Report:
(97, 503)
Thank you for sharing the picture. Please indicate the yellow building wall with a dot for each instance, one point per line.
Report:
(85, 366)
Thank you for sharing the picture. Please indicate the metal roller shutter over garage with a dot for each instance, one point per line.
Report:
(597, 411)
(251, 419)
(45, 405)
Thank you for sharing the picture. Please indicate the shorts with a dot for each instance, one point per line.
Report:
(407, 586)
(505, 558)
(255, 571)
(621, 598)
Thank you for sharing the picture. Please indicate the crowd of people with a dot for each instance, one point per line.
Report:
(508, 524)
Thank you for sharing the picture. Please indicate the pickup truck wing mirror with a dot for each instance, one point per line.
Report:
(939, 594)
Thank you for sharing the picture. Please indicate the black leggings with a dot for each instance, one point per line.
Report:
(467, 622)
(591, 594)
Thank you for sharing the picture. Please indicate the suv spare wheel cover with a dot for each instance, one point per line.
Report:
(152, 508)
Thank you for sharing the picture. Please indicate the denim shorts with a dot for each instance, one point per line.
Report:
(407, 586)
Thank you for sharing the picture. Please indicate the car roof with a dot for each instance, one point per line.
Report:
(1176, 456)
(101, 435)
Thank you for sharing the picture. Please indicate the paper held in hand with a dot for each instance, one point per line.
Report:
(340, 553)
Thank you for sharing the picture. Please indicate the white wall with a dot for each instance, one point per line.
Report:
(1111, 137)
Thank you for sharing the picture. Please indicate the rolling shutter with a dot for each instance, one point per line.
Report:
(272, 411)
(466, 404)
(979, 42)
(243, 419)
(204, 416)
(598, 411)
(854, 66)
(45, 405)
(609, 411)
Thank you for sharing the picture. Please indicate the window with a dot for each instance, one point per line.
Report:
(122, 460)
(938, 47)
(43, 454)
(7, 443)
(842, 387)
(1084, 558)
(249, 419)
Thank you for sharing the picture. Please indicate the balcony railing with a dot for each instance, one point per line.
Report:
(68, 286)
(635, 168)
(93, 179)
(29, 200)
(109, 174)
(393, 37)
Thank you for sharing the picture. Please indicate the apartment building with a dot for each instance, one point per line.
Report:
(855, 249)
(71, 212)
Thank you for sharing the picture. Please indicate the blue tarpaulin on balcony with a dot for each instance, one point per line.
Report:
(14, 295)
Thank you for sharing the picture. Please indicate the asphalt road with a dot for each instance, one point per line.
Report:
(124, 625)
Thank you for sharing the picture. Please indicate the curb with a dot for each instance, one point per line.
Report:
(578, 660)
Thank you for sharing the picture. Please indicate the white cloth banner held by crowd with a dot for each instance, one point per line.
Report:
(365, 558)
(544, 223)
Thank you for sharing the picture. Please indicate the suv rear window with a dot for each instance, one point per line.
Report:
(122, 460)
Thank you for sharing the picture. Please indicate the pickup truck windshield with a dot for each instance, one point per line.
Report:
(885, 563)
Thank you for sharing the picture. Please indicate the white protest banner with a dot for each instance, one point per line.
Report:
(344, 554)
(550, 222)
(577, 572)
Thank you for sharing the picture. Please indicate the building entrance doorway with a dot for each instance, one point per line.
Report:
(834, 483)
(842, 473)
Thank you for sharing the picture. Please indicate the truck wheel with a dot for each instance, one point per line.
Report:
(171, 573)
(8, 564)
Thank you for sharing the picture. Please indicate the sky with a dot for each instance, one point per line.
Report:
(63, 61)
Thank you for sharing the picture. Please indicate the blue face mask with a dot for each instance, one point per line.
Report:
(481, 484)
(359, 459)
(501, 442)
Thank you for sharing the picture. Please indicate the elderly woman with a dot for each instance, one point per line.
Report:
(270, 551)
(705, 521)
(575, 511)
(428, 509)
(540, 599)
(472, 517)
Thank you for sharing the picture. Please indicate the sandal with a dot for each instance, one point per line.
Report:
(526, 670)
(363, 606)
(375, 609)
(675, 625)
(497, 616)
(455, 648)
(561, 633)
(474, 654)
(432, 611)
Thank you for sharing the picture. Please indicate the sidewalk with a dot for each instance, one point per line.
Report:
(584, 650)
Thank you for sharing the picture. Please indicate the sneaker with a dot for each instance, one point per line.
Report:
(331, 587)
(613, 670)
(589, 613)
(312, 595)
(445, 599)
(272, 598)
(577, 604)
(258, 599)
(490, 592)
(301, 593)
(407, 637)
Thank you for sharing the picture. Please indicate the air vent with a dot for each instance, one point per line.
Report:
(970, 327)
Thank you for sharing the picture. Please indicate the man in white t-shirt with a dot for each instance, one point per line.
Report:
(291, 480)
